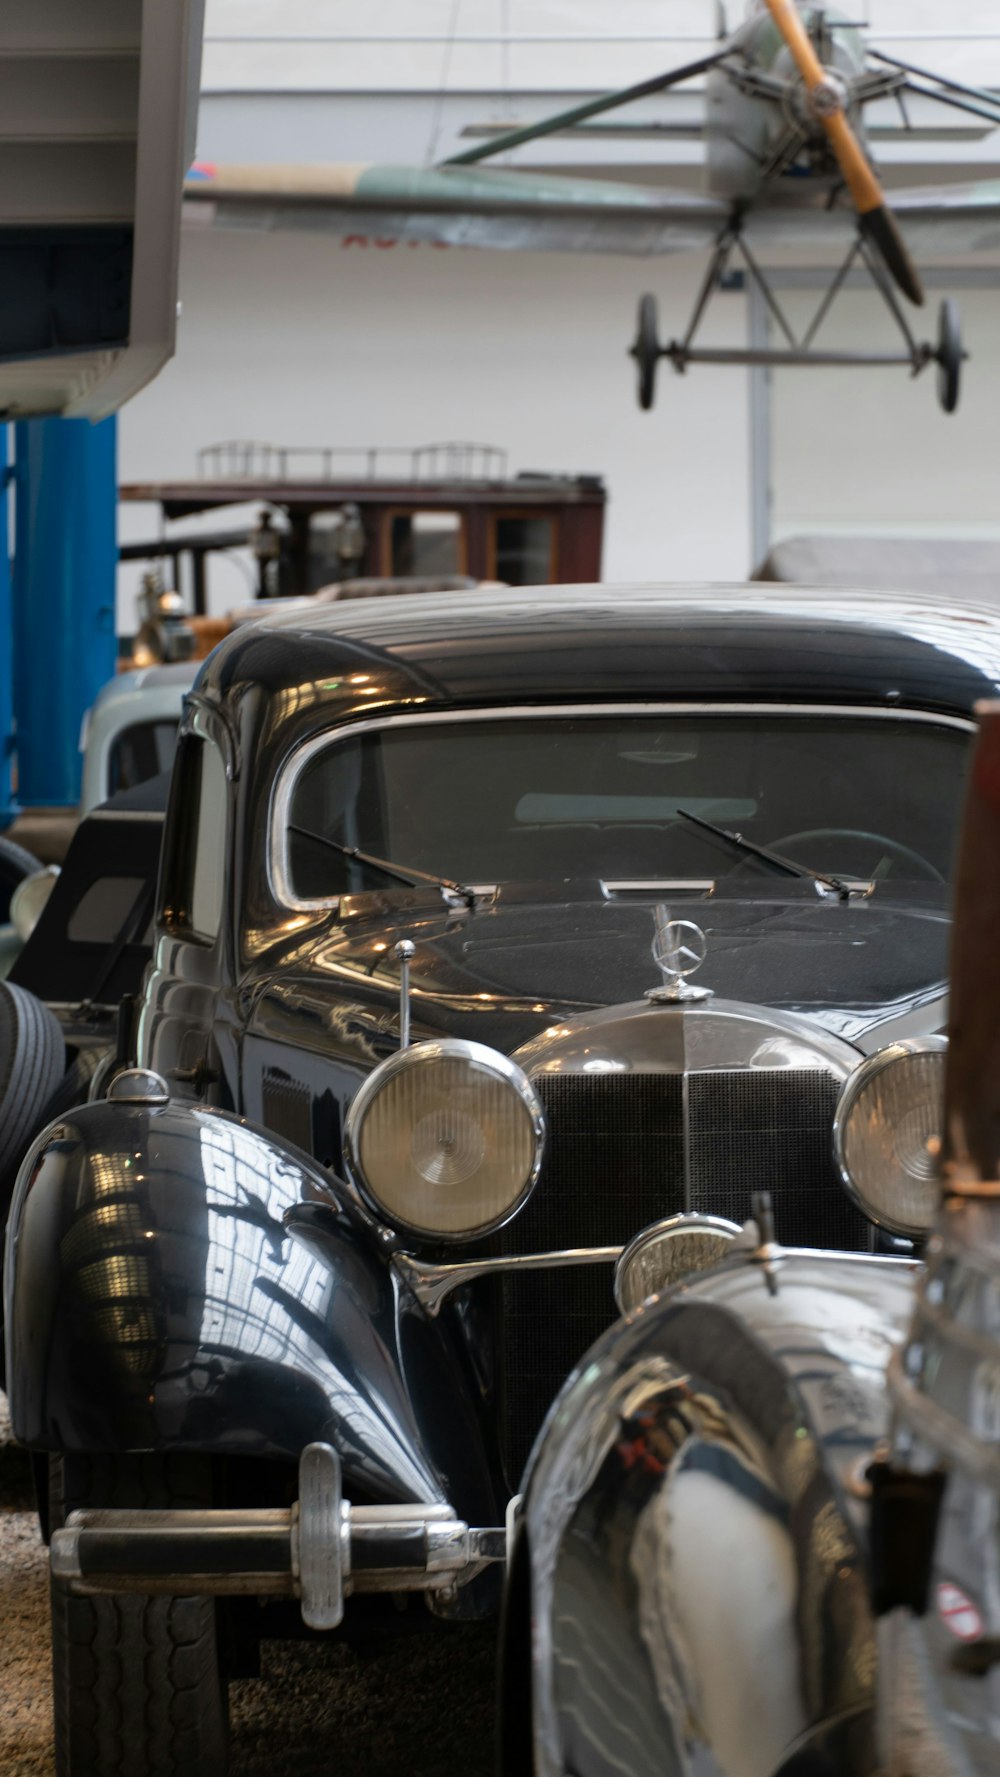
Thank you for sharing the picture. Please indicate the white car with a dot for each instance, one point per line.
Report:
(130, 731)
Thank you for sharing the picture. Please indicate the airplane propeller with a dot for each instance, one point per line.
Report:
(876, 219)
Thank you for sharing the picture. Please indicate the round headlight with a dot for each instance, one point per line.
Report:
(886, 1132)
(667, 1253)
(27, 903)
(446, 1138)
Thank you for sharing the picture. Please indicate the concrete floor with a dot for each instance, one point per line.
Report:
(420, 1707)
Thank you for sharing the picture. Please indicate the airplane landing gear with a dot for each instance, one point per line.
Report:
(948, 354)
(645, 349)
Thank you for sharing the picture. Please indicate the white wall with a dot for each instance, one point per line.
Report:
(302, 340)
(637, 38)
(869, 452)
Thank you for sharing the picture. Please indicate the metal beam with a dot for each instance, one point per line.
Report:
(7, 810)
(64, 596)
(761, 451)
(938, 277)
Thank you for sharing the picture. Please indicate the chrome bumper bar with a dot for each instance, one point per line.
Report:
(320, 1550)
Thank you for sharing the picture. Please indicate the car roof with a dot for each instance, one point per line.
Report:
(661, 643)
(176, 677)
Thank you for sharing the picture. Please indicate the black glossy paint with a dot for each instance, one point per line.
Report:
(133, 1324)
(176, 1281)
(639, 643)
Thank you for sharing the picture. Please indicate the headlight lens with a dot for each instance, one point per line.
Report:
(886, 1130)
(27, 903)
(446, 1138)
(667, 1253)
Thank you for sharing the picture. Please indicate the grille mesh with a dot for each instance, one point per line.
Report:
(287, 1107)
(615, 1162)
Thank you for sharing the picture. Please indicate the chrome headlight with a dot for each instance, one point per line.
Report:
(446, 1138)
(28, 902)
(667, 1253)
(886, 1134)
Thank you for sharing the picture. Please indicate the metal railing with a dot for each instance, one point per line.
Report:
(249, 459)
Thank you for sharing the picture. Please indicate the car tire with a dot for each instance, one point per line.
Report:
(137, 1682)
(15, 865)
(32, 1063)
(73, 1089)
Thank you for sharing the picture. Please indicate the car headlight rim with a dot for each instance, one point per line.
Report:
(863, 1078)
(716, 1233)
(479, 1058)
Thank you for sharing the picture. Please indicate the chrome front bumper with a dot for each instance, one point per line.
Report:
(320, 1550)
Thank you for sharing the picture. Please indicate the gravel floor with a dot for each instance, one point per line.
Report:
(420, 1707)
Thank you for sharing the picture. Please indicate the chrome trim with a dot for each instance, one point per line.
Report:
(478, 1055)
(710, 1584)
(643, 1037)
(404, 956)
(866, 1071)
(288, 773)
(306, 1550)
(139, 1085)
(683, 885)
(854, 886)
(671, 1228)
(321, 1537)
(678, 993)
(946, 1382)
(432, 1284)
(679, 949)
(939, 1427)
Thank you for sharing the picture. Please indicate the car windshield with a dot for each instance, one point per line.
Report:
(550, 797)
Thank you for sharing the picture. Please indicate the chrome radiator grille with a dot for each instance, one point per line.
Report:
(616, 1160)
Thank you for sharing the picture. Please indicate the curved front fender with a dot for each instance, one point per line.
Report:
(175, 1278)
(699, 1591)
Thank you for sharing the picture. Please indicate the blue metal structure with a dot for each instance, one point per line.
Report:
(63, 597)
(6, 644)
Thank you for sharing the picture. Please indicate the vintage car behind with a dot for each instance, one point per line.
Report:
(82, 948)
(408, 1077)
(760, 1533)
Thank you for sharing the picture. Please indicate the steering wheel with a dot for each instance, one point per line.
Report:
(896, 847)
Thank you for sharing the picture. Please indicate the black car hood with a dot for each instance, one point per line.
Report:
(510, 967)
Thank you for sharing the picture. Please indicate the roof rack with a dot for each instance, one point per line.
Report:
(248, 459)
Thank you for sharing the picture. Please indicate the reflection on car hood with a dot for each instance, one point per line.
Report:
(852, 965)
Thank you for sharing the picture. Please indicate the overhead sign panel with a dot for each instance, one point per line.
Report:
(98, 104)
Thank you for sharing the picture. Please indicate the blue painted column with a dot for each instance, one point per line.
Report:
(64, 596)
(6, 645)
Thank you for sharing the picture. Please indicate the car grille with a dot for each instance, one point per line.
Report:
(615, 1162)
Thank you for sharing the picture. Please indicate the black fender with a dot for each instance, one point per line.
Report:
(178, 1279)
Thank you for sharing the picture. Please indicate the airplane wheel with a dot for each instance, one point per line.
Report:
(949, 355)
(646, 352)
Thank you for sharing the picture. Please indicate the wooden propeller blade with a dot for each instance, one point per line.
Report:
(972, 1080)
(877, 220)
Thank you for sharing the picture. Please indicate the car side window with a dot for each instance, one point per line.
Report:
(195, 876)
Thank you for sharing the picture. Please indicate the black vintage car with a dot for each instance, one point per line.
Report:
(759, 1533)
(420, 1049)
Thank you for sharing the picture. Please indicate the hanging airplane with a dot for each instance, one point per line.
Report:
(787, 162)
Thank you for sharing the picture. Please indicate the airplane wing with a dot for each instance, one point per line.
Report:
(458, 206)
(476, 206)
(951, 218)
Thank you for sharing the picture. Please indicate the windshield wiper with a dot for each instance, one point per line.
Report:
(405, 873)
(844, 889)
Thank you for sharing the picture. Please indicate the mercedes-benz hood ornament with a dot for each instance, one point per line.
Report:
(679, 948)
